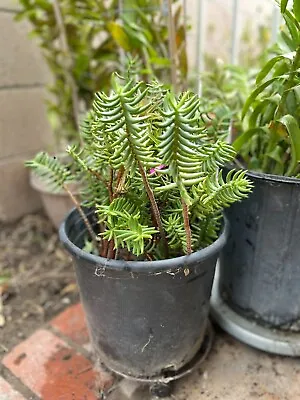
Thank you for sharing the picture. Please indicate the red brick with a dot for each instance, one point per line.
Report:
(72, 324)
(51, 369)
(7, 392)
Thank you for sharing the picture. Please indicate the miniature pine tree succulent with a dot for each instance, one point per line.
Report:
(151, 170)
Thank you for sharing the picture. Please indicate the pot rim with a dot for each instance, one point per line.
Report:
(139, 266)
(267, 177)
(273, 178)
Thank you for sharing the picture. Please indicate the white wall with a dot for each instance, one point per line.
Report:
(219, 19)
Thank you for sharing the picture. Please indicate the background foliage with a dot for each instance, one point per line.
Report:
(271, 138)
(83, 41)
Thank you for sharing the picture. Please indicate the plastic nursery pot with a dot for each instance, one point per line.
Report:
(259, 266)
(146, 319)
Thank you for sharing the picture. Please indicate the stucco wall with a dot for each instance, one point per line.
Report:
(23, 124)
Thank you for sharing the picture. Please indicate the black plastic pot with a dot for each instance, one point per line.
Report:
(260, 264)
(146, 319)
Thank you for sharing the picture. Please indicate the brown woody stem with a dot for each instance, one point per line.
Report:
(97, 175)
(155, 209)
(111, 251)
(83, 216)
(121, 175)
(110, 185)
(104, 248)
(187, 228)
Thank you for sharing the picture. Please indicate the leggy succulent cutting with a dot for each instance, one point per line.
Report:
(151, 168)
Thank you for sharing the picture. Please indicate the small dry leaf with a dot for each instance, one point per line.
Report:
(60, 254)
(70, 288)
(2, 321)
(186, 271)
(2, 318)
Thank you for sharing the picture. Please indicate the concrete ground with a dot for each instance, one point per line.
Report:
(233, 371)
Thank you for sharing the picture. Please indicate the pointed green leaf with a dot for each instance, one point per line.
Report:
(292, 27)
(276, 154)
(259, 90)
(296, 9)
(246, 136)
(293, 131)
(283, 5)
(270, 64)
(286, 39)
(119, 35)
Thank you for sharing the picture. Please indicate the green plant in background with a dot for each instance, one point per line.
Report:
(144, 31)
(226, 88)
(84, 41)
(152, 168)
(229, 84)
(271, 139)
(80, 54)
(255, 43)
(226, 84)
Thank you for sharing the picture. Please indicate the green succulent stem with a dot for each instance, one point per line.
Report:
(187, 227)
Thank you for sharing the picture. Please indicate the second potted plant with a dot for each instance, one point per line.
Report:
(146, 240)
(257, 298)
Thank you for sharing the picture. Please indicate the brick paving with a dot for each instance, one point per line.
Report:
(71, 323)
(7, 392)
(54, 364)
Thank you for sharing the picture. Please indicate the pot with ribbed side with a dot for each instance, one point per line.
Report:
(146, 319)
(259, 267)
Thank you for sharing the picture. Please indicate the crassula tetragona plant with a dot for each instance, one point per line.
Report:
(151, 170)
